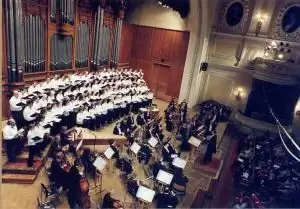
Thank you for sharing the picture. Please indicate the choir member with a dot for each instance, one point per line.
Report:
(29, 113)
(32, 137)
(16, 106)
(11, 135)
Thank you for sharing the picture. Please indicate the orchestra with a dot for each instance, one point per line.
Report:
(50, 109)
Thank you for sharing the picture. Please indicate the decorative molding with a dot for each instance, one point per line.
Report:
(255, 124)
(242, 26)
(278, 32)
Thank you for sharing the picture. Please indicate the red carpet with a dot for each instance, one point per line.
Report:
(212, 169)
(225, 182)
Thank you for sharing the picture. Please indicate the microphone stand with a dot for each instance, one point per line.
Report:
(95, 138)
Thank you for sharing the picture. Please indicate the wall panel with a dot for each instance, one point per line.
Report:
(161, 54)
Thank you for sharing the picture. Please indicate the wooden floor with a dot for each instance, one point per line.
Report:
(15, 196)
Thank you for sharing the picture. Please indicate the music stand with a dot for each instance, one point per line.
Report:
(164, 177)
(153, 142)
(178, 162)
(109, 152)
(99, 164)
(135, 148)
(145, 195)
(195, 144)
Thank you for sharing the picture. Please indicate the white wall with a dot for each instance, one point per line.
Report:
(151, 14)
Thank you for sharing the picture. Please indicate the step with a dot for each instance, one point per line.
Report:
(21, 168)
(18, 178)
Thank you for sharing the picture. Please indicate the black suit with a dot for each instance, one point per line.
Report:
(117, 131)
(144, 154)
(58, 175)
(211, 149)
(74, 193)
(141, 120)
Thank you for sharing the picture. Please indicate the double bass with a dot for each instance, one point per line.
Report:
(85, 197)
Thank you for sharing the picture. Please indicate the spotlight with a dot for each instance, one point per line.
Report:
(266, 54)
(280, 56)
(159, 2)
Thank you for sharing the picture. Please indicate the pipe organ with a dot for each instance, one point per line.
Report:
(14, 40)
(82, 52)
(45, 37)
(61, 52)
(64, 9)
(34, 39)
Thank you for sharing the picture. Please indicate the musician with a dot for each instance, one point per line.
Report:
(124, 165)
(58, 173)
(211, 148)
(11, 135)
(168, 151)
(109, 202)
(158, 165)
(140, 120)
(130, 122)
(166, 199)
(65, 141)
(168, 119)
(118, 130)
(74, 189)
(144, 154)
(112, 144)
(16, 109)
(132, 186)
(184, 131)
(179, 181)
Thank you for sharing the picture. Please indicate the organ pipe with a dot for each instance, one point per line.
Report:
(66, 11)
(82, 45)
(61, 52)
(34, 38)
(116, 41)
(15, 48)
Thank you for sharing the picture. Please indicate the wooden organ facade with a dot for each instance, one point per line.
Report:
(47, 37)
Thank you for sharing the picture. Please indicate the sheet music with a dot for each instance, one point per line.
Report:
(135, 148)
(178, 162)
(153, 141)
(109, 152)
(79, 145)
(174, 156)
(145, 194)
(194, 141)
(164, 177)
(100, 163)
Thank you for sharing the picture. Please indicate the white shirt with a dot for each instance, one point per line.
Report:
(9, 132)
(32, 133)
(13, 104)
(28, 111)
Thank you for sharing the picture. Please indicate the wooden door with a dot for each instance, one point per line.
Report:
(162, 80)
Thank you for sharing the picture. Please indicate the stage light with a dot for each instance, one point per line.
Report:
(159, 2)
(266, 54)
(280, 56)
